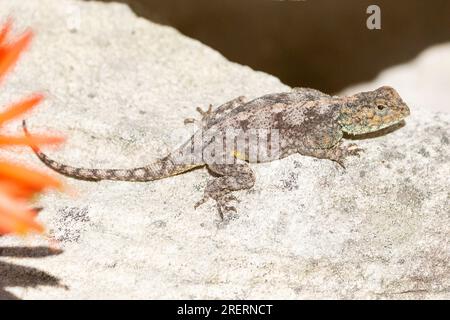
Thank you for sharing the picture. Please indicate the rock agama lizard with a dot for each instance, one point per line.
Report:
(304, 121)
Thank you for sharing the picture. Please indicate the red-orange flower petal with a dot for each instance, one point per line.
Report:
(20, 108)
(29, 141)
(27, 178)
(9, 54)
(17, 183)
(16, 217)
(5, 31)
(14, 190)
(9, 223)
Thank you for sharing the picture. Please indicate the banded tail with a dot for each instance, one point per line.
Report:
(160, 169)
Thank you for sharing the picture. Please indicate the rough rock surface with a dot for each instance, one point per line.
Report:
(120, 87)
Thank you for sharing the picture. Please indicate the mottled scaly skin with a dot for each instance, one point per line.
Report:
(307, 122)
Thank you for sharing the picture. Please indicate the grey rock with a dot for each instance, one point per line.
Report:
(120, 86)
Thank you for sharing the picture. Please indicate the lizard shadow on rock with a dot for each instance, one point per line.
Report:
(376, 134)
(12, 275)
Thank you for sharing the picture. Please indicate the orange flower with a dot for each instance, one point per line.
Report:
(17, 183)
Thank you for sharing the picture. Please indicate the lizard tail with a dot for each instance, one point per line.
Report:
(158, 170)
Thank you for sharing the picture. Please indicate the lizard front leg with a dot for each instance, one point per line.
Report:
(337, 153)
(324, 141)
(232, 177)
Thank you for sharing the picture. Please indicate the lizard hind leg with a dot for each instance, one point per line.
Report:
(232, 177)
(211, 116)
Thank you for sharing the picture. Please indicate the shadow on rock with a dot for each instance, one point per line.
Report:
(12, 275)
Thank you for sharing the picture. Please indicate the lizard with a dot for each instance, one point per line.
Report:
(304, 121)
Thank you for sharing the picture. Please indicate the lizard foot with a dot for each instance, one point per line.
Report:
(342, 152)
(204, 114)
(223, 206)
(222, 203)
(351, 150)
(232, 178)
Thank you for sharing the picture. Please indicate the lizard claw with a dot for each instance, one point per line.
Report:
(341, 164)
(219, 210)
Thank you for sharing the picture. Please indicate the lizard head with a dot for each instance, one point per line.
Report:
(371, 111)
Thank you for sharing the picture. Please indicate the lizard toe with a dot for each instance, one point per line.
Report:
(231, 197)
(205, 116)
(200, 202)
(189, 120)
(353, 150)
(224, 205)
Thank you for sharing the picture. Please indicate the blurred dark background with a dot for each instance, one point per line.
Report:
(323, 44)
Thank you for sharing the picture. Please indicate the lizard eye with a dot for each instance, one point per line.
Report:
(381, 107)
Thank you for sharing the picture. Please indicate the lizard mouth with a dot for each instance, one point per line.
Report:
(381, 122)
(374, 124)
(406, 112)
